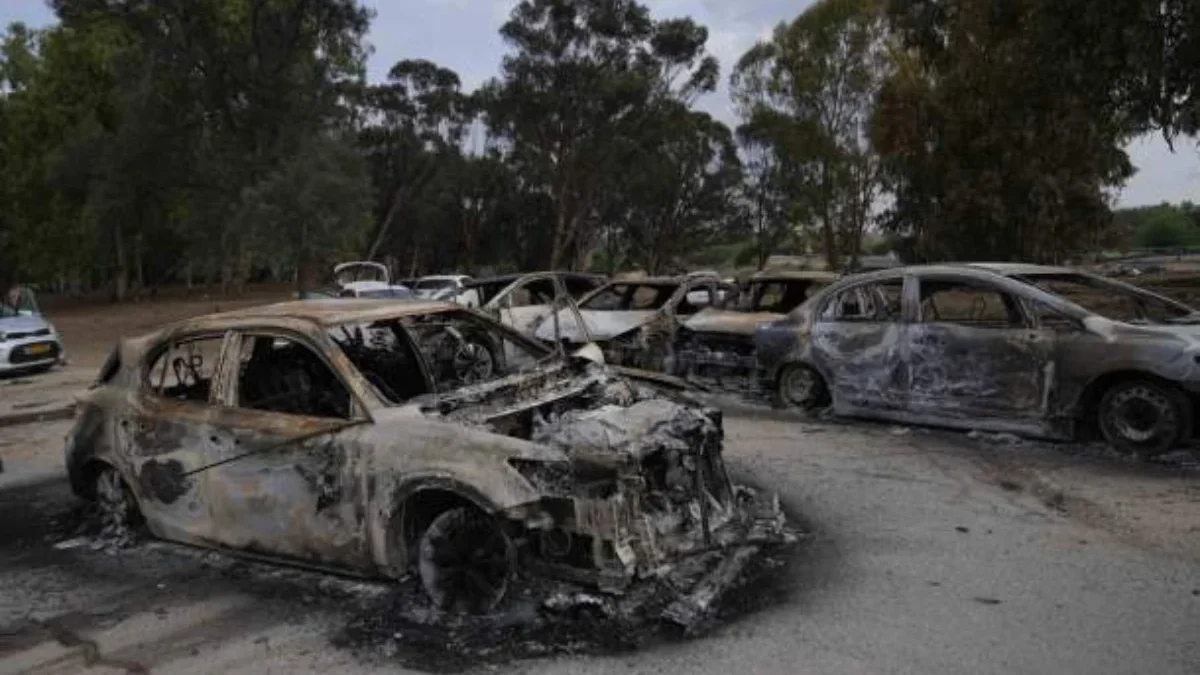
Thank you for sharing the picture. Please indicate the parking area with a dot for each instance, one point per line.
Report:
(926, 550)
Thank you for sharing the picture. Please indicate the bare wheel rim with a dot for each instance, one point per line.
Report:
(800, 387)
(465, 561)
(1142, 417)
(114, 502)
(473, 363)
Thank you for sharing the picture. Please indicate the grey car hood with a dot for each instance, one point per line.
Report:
(601, 325)
(23, 323)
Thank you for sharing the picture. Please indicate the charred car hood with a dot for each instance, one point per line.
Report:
(601, 324)
(729, 322)
(579, 410)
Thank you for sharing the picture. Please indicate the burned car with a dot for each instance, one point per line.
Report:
(1041, 351)
(524, 301)
(635, 322)
(716, 345)
(379, 437)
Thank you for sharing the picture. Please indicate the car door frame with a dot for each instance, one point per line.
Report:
(285, 485)
(561, 297)
(161, 440)
(1025, 356)
(874, 381)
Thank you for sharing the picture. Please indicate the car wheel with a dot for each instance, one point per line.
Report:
(474, 362)
(465, 561)
(116, 506)
(1142, 417)
(799, 386)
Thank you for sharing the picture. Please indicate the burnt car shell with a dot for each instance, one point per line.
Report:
(1025, 360)
(636, 321)
(596, 477)
(716, 347)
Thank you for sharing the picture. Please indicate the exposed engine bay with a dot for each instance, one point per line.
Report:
(643, 492)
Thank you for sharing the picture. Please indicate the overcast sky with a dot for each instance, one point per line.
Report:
(462, 35)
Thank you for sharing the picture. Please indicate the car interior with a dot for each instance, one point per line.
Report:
(280, 375)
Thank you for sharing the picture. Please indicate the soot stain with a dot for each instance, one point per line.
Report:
(165, 481)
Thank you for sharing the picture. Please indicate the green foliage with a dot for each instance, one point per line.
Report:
(746, 256)
(805, 97)
(581, 84)
(157, 141)
(1161, 226)
(679, 198)
(136, 129)
(312, 211)
(991, 149)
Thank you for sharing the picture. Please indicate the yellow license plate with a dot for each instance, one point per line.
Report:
(34, 350)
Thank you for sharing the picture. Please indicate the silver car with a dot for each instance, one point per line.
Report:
(28, 342)
(1042, 351)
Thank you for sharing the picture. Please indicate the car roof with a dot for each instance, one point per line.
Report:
(506, 279)
(794, 275)
(985, 268)
(1020, 269)
(323, 312)
(648, 281)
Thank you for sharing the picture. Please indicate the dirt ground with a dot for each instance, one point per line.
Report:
(929, 552)
(91, 329)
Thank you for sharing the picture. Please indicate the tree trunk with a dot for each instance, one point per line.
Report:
(121, 276)
(139, 271)
(471, 225)
(227, 263)
(303, 264)
(558, 242)
(385, 225)
(829, 241)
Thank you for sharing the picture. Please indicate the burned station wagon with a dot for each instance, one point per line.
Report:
(383, 437)
(1042, 351)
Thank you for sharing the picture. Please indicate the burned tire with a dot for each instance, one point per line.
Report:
(1143, 417)
(799, 386)
(474, 362)
(116, 508)
(465, 561)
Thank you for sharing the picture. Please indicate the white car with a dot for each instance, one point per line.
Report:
(361, 279)
(28, 342)
(524, 301)
(446, 287)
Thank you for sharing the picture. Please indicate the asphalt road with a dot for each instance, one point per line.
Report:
(930, 553)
